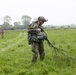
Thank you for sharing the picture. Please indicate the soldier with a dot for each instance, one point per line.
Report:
(36, 37)
(2, 32)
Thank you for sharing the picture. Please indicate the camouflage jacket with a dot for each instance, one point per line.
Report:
(33, 27)
(33, 32)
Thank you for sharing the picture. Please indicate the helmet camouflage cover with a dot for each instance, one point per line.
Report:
(42, 18)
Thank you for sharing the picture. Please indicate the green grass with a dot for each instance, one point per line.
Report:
(16, 54)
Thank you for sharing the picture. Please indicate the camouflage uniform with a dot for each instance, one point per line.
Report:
(37, 45)
(2, 32)
(36, 38)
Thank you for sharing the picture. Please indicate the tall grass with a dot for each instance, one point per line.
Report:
(16, 54)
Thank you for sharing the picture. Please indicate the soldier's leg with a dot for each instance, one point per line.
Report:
(35, 51)
(2, 35)
(41, 50)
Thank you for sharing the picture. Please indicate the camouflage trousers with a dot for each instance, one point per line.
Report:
(38, 48)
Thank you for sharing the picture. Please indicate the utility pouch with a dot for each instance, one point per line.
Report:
(32, 38)
(29, 39)
(41, 35)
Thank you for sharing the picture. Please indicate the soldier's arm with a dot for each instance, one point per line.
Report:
(34, 28)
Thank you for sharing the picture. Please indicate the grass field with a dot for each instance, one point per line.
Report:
(16, 54)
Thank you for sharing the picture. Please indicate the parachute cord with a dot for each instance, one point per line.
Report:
(59, 50)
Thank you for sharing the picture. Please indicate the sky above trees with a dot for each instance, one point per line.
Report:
(58, 12)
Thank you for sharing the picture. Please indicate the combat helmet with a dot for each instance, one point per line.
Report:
(42, 18)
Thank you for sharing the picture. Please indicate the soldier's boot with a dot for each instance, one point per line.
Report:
(34, 59)
(42, 56)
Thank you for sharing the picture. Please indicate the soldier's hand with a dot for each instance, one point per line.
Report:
(38, 29)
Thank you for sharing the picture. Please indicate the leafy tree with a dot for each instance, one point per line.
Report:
(7, 19)
(25, 17)
(6, 25)
(17, 25)
(6, 22)
(25, 20)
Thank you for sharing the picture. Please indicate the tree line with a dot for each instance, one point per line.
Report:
(25, 21)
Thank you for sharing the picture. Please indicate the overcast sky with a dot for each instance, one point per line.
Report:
(58, 12)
